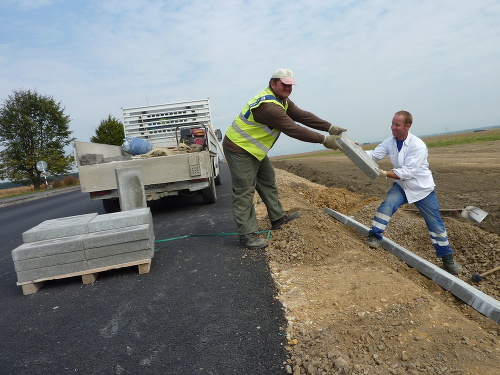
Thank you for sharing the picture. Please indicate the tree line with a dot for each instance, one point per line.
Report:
(34, 128)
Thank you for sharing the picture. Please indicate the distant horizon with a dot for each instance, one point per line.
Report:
(462, 131)
(306, 152)
(420, 136)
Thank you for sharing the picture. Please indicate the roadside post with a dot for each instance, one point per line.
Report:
(42, 167)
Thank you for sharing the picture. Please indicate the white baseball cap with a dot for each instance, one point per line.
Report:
(286, 76)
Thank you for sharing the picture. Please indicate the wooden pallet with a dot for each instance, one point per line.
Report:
(88, 276)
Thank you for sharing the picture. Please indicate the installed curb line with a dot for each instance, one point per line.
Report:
(480, 301)
(4, 202)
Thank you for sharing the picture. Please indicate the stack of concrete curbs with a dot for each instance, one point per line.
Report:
(83, 243)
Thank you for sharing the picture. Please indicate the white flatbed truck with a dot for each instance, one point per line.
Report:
(178, 172)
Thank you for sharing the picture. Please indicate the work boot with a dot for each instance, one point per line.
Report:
(450, 265)
(276, 224)
(252, 240)
(373, 241)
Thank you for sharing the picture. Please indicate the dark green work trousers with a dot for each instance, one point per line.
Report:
(249, 174)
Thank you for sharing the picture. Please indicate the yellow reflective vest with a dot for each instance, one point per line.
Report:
(254, 137)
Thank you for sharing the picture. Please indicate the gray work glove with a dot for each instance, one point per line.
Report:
(336, 130)
(331, 142)
(381, 173)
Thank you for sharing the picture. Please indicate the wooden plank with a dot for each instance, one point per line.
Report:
(32, 287)
(144, 268)
(88, 276)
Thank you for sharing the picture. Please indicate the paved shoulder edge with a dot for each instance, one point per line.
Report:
(29, 197)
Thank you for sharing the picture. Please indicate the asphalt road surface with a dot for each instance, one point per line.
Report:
(206, 307)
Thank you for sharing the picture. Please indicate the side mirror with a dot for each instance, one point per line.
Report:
(218, 134)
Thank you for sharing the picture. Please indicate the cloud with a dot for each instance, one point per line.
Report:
(28, 4)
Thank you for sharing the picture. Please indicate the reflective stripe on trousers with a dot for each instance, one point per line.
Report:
(429, 209)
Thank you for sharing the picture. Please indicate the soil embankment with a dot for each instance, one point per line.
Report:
(355, 310)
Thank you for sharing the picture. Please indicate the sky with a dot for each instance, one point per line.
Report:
(355, 62)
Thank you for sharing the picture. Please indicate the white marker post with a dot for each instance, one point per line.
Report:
(42, 167)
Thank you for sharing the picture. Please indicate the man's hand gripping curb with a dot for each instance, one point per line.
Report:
(331, 142)
(336, 130)
(381, 173)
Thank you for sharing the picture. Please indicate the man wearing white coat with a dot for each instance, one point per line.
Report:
(413, 183)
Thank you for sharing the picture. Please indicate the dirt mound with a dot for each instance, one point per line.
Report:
(354, 310)
(465, 175)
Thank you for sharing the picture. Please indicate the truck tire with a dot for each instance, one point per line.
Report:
(217, 179)
(111, 205)
(209, 194)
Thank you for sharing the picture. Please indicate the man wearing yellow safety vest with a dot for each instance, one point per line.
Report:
(247, 142)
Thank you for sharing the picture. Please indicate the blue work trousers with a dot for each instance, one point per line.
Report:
(429, 209)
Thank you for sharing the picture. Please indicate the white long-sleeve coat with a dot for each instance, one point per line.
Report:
(410, 165)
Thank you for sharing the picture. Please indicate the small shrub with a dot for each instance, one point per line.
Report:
(58, 184)
(70, 181)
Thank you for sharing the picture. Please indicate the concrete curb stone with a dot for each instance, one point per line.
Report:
(480, 301)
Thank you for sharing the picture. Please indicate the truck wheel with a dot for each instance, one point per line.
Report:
(209, 194)
(111, 205)
(217, 180)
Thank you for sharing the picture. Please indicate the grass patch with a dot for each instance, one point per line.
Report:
(12, 192)
(459, 139)
(23, 190)
(452, 142)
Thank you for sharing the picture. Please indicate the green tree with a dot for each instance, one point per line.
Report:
(33, 127)
(109, 132)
